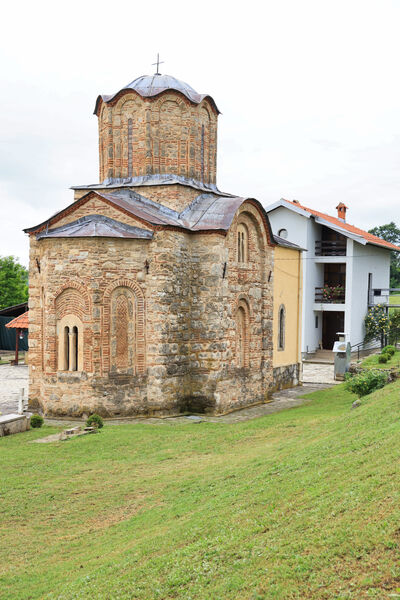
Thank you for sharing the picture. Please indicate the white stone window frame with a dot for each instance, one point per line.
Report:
(70, 322)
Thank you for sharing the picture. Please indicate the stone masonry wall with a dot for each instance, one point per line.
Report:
(187, 302)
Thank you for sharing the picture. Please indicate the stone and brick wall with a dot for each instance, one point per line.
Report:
(163, 134)
(181, 350)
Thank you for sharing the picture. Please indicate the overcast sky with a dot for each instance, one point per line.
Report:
(309, 94)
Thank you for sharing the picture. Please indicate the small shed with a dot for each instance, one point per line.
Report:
(20, 324)
(7, 336)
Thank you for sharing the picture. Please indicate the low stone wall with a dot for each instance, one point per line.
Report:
(286, 377)
(10, 424)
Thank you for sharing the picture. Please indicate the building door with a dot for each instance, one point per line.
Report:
(332, 322)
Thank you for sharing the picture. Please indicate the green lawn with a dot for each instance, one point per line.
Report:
(302, 504)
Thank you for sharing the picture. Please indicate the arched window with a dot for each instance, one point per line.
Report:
(242, 335)
(70, 355)
(242, 243)
(281, 328)
(65, 344)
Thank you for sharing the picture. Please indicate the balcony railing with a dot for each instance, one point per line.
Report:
(330, 294)
(384, 296)
(331, 248)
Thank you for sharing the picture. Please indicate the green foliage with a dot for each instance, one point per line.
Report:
(391, 233)
(13, 282)
(36, 421)
(95, 421)
(376, 322)
(383, 358)
(389, 350)
(366, 382)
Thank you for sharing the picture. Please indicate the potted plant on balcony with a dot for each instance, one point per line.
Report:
(333, 294)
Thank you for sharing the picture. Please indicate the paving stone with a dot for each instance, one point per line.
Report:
(12, 380)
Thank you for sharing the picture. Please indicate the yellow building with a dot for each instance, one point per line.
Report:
(287, 296)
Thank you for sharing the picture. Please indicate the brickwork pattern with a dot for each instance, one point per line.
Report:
(165, 134)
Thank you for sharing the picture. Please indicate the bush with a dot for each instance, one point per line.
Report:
(366, 382)
(95, 421)
(36, 421)
(383, 358)
(389, 350)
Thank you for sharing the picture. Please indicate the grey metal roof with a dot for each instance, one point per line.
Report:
(155, 179)
(207, 212)
(96, 226)
(152, 85)
(285, 243)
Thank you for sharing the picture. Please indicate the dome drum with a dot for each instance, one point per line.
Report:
(148, 129)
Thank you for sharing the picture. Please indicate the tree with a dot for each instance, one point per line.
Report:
(391, 233)
(13, 282)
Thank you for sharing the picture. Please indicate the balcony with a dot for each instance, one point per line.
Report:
(330, 294)
(330, 248)
(384, 296)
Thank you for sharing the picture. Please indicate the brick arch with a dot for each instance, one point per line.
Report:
(140, 322)
(171, 96)
(248, 217)
(73, 285)
(70, 299)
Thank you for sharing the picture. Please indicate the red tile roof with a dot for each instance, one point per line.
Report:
(369, 238)
(20, 322)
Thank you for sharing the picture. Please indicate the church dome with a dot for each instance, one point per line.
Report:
(152, 85)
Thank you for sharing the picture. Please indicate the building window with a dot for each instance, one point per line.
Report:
(316, 321)
(69, 344)
(242, 335)
(281, 328)
(242, 243)
(283, 233)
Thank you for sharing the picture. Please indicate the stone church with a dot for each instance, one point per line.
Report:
(153, 292)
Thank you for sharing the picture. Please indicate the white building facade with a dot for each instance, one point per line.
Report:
(345, 270)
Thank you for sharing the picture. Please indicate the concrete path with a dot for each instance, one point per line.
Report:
(318, 373)
(12, 380)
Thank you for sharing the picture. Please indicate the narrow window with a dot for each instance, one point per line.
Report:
(281, 325)
(74, 357)
(241, 332)
(65, 362)
(316, 321)
(242, 242)
(130, 148)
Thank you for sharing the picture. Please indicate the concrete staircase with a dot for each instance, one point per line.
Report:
(320, 357)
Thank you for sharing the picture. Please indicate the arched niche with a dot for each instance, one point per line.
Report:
(123, 327)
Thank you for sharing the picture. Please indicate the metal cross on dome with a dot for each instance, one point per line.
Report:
(158, 63)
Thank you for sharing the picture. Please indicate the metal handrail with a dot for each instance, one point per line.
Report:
(330, 248)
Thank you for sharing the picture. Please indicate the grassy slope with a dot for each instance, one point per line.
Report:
(296, 505)
(371, 362)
